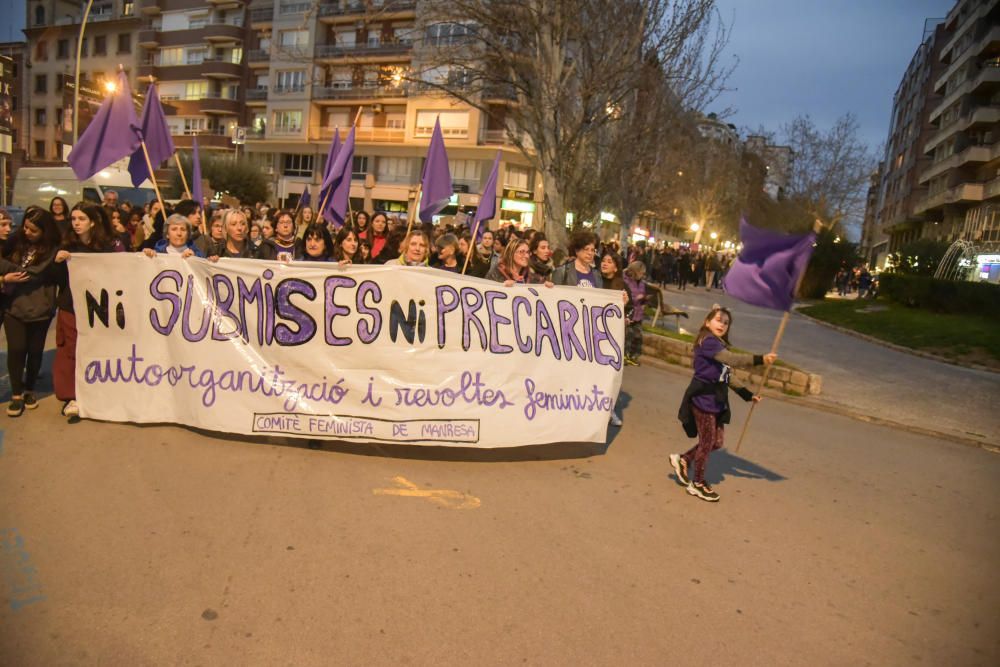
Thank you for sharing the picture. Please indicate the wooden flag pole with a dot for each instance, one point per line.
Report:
(184, 180)
(472, 246)
(152, 177)
(817, 226)
(414, 209)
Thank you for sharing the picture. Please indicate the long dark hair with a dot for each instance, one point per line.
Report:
(704, 332)
(45, 246)
(317, 230)
(101, 235)
(65, 206)
(338, 253)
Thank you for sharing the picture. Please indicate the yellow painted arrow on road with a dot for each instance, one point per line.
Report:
(455, 500)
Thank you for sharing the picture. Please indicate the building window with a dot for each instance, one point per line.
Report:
(287, 121)
(100, 45)
(128, 8)
(124, 43)
(171, 56)
(83, 47)
(359, 169)
(446, 34)
(517, 177)
(41, 83)
(104, 9)
(293, 41)
(290, 81)
(40, 150)
(42, 50)
(59, 117)
(62, 49)
(39, 15)
(195, 90)
(195, 125)
(453, 123)
(394, 170)
(40, 116)
(298, 165)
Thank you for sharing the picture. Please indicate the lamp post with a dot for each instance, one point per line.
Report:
(76, 77)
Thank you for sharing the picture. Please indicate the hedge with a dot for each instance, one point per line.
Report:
(946, 296)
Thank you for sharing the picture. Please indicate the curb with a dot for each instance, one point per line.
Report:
(843, 411)
(894, 346)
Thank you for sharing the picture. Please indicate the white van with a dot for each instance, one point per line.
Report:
(38, 185)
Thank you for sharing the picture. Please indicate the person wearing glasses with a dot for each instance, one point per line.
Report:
(514, 266)
(580, 271)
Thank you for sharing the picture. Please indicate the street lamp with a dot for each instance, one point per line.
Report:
(714, 235)
(110, 87)
(695, 227)
(76, 79)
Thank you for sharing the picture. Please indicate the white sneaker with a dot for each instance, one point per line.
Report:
(615, 420)
(71, 409)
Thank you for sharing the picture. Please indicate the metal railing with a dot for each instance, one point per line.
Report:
(358, 7)
(385, 48)
(358, 92)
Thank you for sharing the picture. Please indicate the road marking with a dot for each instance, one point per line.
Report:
(20, 577)
(455, 500)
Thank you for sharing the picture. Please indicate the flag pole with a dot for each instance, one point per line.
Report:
(152, 178)
(817, 226)
(184, 180)
(350, 209)
(472, 246)
(414, 209)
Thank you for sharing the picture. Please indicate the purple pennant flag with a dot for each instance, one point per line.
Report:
(435, 182)
(487, 208)
(111, 135)
(196, 193)
(331, 157)
(156, 134)
(306, 198)
(768, 269)
(339, 180)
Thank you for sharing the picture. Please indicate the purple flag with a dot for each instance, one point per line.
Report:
(111, 135)
(306, 198)
(768, 269)
(435, 182)
(339, 180)
(487, 208)
(196, 193)
(331, 157)
(156, 134)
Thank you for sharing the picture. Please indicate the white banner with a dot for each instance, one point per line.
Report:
(368, 353)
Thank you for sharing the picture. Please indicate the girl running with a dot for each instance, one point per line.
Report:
(705, 407)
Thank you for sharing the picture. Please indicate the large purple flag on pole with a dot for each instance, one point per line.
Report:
(339, 179)
(111, 135)
(196, 192)
(487, 208)
(768, 269)
(306, 198)
(435, 182)
(156, 134)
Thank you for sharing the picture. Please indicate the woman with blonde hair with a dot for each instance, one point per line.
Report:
(414, 249)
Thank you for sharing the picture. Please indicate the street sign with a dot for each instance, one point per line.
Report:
(6, 104)
(240, 135)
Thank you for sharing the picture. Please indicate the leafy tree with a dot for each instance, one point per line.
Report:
(920, 257)
(242, 180)
(829, 255)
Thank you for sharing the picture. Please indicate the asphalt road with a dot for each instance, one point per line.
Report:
(861, 376)
(836, 542)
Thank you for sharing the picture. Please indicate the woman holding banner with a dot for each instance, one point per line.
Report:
(90, 231)
(29, 281)
(346, 248)
(237, 245)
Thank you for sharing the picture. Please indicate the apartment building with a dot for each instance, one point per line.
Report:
(53, 27)
(963, 174)
(195, 52)
(13, 152)
(314, 69)
(892, 220)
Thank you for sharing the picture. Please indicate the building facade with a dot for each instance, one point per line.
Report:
(941, 169)
(777, 164)
(52, 32)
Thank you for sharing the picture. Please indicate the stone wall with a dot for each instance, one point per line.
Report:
(782, 378)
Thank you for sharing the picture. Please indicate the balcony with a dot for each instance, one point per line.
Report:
(348, 92)
(389, 49)
(980, 116)
(260, 16)
(987, 79)
(149, 7)
(220, 67)
(354, 9)
(494, 137)
(966, 192)
(205, 140)
(977, 154)
(991, 189)
(148, 38)
(288, 8)
(288, 90)
(215, 103)
(257, 57)
(368, 134)
(257, 95)
(223, 31)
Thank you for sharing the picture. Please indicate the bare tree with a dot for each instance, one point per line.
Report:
(831, 170)
(555, 73)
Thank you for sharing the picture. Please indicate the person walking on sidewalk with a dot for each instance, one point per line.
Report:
(704, 410)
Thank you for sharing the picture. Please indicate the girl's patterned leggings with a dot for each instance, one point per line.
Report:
(709, 439)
